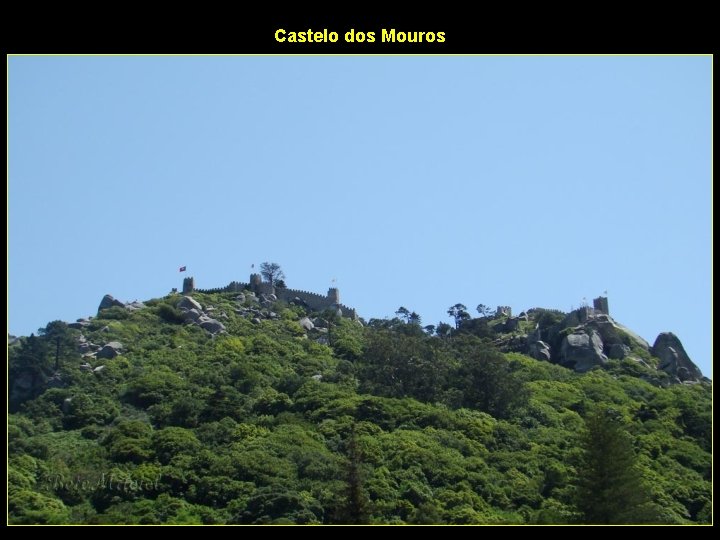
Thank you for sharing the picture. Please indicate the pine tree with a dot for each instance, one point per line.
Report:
(610, 483)
(355, 508)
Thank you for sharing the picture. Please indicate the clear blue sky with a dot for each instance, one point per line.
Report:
(415, 181)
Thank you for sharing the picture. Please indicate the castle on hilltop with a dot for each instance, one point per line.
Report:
(600, 307)
(314, 301)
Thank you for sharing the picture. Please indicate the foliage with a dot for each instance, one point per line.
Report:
(486, 380)
(611, 488)
(459, 313)
(354, 508)
(272, 273)
(382, 423)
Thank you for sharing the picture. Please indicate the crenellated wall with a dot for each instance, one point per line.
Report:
(214, 291)
(314, 301)
(317, 302)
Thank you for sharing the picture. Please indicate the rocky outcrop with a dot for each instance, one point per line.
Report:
(673, 358)
(320, 323)
(85, 347)
(188, 302)
(635, 338)
(80, 324)
(108, 301)
(539, 350)
(618, 351)
(306, 323)
(211, 325)
(192, 312)
(586, 338)
(191, 315)
(582, 351)
(110, 350)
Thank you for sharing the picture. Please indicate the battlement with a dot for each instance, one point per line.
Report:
(300, 294)
(318, 302)
(314, 301)
(600, 304)
(215, 290)
(188, 285)
(600, 307)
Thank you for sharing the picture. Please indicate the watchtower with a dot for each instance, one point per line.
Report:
(601, 305)
(255, 281)
(188, 285)
(334, 295)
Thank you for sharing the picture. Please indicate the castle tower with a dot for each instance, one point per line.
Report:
(188, 285)
(333, 295)
(255, 282)
(601, 305)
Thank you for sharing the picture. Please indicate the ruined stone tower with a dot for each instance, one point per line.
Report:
(188, 285)
(258, 286)
(334, 295)
(601, 305)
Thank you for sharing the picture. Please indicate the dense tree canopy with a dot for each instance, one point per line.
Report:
(343, 423)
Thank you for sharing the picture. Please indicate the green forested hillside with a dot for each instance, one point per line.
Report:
(271, 422)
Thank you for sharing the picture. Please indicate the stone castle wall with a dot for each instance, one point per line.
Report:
(317, 302)
(314, 301)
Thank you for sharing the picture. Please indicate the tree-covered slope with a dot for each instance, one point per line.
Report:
(281, 419)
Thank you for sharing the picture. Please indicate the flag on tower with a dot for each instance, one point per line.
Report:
(183, 268)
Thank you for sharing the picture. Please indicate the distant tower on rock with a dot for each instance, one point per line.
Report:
(601, 305)
(334, 295)
(188, 285)
(255, 281)
(258, 286)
